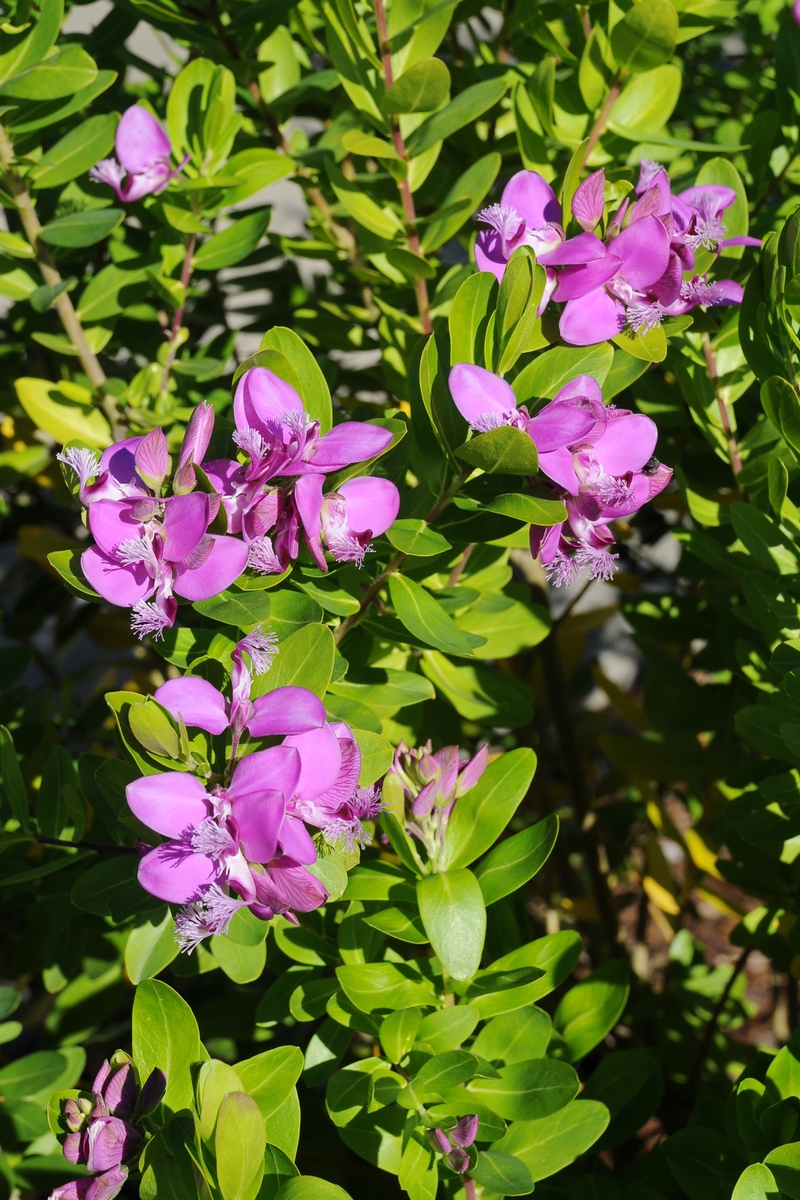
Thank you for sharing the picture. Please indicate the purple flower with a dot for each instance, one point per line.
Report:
(327, 794)
(453, 1143)
(200, 704)
(528, 215)
(214, 836)
(432, 783)
(348, 518)
(100, 1187)
(143, 154)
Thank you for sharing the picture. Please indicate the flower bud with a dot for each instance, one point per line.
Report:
(106, 1186)
(195, 444)
(152, 459)
(587, 203)
(109, 1141)
(152, 1092)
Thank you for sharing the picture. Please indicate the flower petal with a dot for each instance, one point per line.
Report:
(577, 281)
(320, 761)
(186, 519)
(196, 700)
(227, 560)
(308, 499)
(584, 387)
(592, 318)
(168, 803)
(296, 842)
(644, 250)
(286, 710)
(533, 198)
(140, 140)
(112, 522)
(372, 504)
(259, 816)
(476, 391)
(564, 422)
(576, 251)
(352, 442)
(627, 444)
(489, 253)
(261, 397)
(123, 584)
(174, 873)
(275, 770)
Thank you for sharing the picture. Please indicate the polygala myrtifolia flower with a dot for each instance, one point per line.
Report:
(281, 441)
(432, 783)
(528, 215)
(150, 548)
(143, 154)
(600, 459)
(103, 1128)
(455, 1141)
(244, 842)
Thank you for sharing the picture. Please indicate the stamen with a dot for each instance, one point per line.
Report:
(562, 571)
(85, 463)
(610, 491)
(504, 220)
(643, 318)
(601, 562)
(251, 443)
(108, 171)
(262, 647)
(698, 291)
(209, 916)
(148, 620)
(345, 547)
(210, 839)
(137, 550)
(346, 828)
(263, 557)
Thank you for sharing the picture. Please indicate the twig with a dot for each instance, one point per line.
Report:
(457, 570)
(97, 847)
(711, 1027)
(177, 320)
(573, 600)
(598, 129)
(398, 560)
(52, 277)
(730, 436)
(409, 211)
(469, 1188)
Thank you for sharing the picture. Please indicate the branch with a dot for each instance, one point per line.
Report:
(730, 436)
(711, 1027)
(598, 129)
(409, 211)
(51, 276)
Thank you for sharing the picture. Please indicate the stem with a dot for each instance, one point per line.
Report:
(97, 847)
(407, 199)
(582, 798)
(51, 276)
(710, 1029)
(398, 560)
(469, 1188)
(457, 570)
(177, 320)
(778, 180)
(598, 129)
(730, 436)
(586, 21)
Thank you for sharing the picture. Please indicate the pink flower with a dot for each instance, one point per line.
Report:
(348, 518)
(528, 215)
(143, 154)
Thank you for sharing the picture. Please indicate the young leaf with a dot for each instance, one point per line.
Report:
(454, 915)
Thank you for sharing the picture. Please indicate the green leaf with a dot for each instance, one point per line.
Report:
(646, 35)
(502, 1173)
(549, 1145)
(374, 986)
(81, 228)
(377, 880)
(479, 693)
(110, 889)
(151, 945)
(550, 372)
(73, 154)
(270, 1077)
(528, 1090)
(420, 89)
(416, 538)
(165, 1035)
(461, 201)
(239, 1142)
(520, 293)
(530, 509)
(447, 1028)
(241, 963)
(454, 915)
(556, 955)
(469, 318)
(314, 390)
(398, 1032)
(649, 347)
(784, 1163)
(34, 46)
(631, 1084)
(41, 114)
(463, 110)
(509, 626)
(305, 660)
(285, 612)
(592, 1008)
(52, 409)
(756, 1183)
(110, 291)
(424, 618)
(63, 75)
(234, 243)
(14, 788)
(515, 1036)
(437, 1076)
(35, 1076)
(516, 860)
(704, 1162)
(505, 450)
(361, 207)
(647, 103)
(309, 1187)
(481, 815)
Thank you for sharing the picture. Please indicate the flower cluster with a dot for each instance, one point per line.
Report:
(637, 274)
(599, 459)
(454, 1143)
(243, 841)
(103, 1128)
(151, 548)
(431, 785)
(143, 155)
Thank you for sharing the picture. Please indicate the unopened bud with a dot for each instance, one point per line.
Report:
(587, 203)
(152, 459)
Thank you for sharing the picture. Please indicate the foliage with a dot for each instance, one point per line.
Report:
(528, 963)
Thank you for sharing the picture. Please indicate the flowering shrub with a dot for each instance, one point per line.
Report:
(401, 710)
